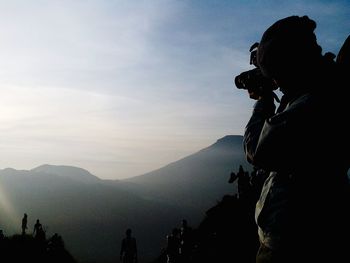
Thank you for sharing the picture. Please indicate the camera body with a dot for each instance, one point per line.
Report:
(253, 80)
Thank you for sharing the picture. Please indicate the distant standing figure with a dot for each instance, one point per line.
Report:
(37, 228)
(244, 185)
(39, 233)
(185, 241)
(173, 246)
(128, 251)
(24, 224)
(2, 240)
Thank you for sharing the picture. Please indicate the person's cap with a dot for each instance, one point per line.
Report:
(288, 42)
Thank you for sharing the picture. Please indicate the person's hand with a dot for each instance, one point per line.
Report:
(257, 95)
(254, 95)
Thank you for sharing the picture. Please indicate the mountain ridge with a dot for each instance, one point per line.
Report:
(92, 214)
(223, 142)
(72, 172)
(198, 180)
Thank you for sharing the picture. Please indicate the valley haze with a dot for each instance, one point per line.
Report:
(92, 214)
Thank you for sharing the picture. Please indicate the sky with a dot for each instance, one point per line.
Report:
(121, 88)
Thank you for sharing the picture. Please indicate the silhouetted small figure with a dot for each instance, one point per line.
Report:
(128, 251)
(37, 227)
(173, 246)
(2, 242)
(24, 223)
(186, 241)
(39, 233)
(244, 185)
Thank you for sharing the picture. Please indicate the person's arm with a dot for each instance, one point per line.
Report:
(282, 140)
(263, 109)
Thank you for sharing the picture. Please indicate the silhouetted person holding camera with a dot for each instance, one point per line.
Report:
(301, 213)
(128, 251)
(24, 223)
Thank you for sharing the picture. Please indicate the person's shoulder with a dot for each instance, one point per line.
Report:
(300, 103)
(302, 99)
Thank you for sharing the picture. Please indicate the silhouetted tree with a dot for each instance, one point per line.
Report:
(25, 248)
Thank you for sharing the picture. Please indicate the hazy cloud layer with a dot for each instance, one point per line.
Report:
(124, 87)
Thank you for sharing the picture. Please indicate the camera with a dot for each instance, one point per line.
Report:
(253, 80)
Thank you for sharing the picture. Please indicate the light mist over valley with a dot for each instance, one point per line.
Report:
(92, 214)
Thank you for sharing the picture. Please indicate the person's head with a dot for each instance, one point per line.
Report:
(128, 232)
(288, 52)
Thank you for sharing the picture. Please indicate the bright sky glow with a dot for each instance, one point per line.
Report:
(124, 87)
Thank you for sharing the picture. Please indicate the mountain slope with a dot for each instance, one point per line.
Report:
(92, 214)
(71, 172)
(197, 181)
(91, 217)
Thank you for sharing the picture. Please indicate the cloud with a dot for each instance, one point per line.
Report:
(123, 87)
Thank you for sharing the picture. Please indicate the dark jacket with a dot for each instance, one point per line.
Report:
(302, 147)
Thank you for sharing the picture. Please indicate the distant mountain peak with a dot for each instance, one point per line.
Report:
(230, 138)
(228, 141)
(72, 172)
(9, 169)
(200, 178)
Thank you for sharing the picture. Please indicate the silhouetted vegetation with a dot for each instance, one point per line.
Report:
(228, 232)
(29, 248)
(113, 205)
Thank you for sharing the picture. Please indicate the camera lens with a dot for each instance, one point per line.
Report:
(238, 82)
